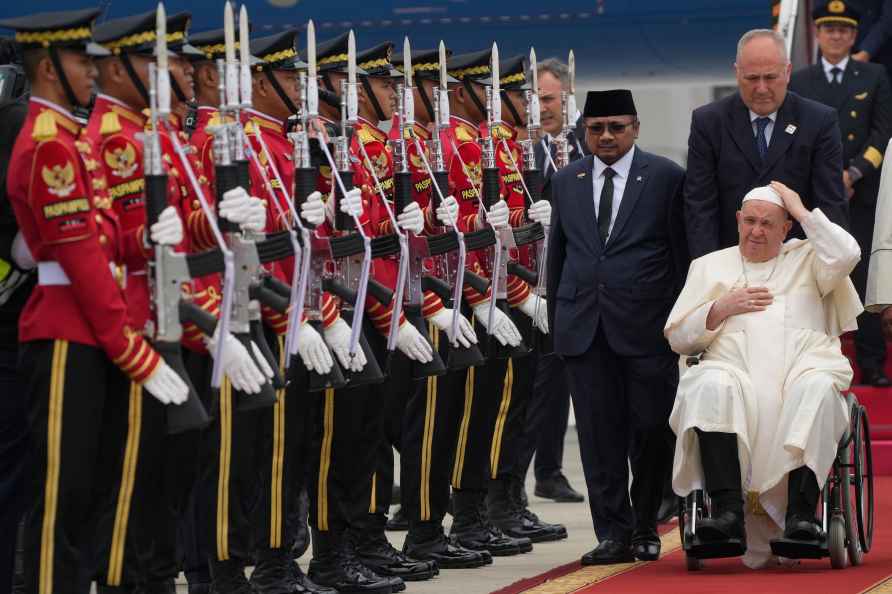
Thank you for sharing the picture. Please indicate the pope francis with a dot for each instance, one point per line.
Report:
(759, 418)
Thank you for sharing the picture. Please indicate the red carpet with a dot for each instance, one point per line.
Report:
(669, 575)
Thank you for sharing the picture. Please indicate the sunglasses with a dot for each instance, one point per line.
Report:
(614, 127)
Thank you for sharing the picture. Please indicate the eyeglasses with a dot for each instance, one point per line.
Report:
(614, 127)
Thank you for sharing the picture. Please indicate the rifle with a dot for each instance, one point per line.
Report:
(352, 249)
(447, 248)
(504, 239)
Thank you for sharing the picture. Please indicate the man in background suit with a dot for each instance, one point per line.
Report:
(615, 265)
(760, 134)
(861, 95)
(554, 78)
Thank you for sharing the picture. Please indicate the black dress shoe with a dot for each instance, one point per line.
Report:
(382, 558)
(304, 585)
(398, 522)
(725, 526)
(346, 575)
(608, 552)
(874, 377)
(796, 528)
(429, 543)
(558, 488)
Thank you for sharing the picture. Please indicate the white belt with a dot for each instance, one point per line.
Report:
(50, 273)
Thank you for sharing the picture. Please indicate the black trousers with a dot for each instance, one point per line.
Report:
(430, 426)
(285, 451)
(547, 416)
(13, 457)
(622, 409)
(344, 457)
(870, 346)
(484, 390)
(229, 482)
(90, 428)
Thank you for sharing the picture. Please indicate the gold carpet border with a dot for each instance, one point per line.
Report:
(593, 574)
(884, 586)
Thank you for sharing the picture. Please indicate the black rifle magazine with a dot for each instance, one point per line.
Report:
(276, 246)
(347, 245)
(528, 234)
(205, 263)
(479, 240)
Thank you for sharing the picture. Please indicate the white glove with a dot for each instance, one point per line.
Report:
(237, 364)
(352, 202)
(313, 210)
(447, 213)
(313, 350)
(21, 255)
(166, 385)
(536, 308)
(338, 338)
(168, 230)
(503, 328)
(443, 321)
(246, 211)
(410, 341)
(411, 219)
(540, 212)
(498, 215)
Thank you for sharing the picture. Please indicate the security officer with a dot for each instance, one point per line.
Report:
(80, 354)
(861, 94)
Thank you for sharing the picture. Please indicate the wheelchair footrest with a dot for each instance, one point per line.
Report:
(715, 549)
(800, 549)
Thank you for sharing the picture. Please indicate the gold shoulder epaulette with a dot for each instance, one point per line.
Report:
(463, 135)
(44, 127)
(110, 123)
(365, 136)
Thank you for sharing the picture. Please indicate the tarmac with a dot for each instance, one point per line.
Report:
(507, 570)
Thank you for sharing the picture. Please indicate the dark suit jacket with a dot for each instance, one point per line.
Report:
(628, 286)
(864, 106)
(805, 153)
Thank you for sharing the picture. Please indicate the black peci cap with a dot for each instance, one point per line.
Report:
(600, 104)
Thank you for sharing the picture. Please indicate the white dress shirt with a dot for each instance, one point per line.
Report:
(828, 67)
(621, 169)
(768, 129)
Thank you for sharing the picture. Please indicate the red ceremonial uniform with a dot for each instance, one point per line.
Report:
(63, 208)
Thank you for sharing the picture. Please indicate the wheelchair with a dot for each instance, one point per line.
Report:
(845, 509)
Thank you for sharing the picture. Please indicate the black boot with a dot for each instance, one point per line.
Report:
(802, 499)
(398, 521)
(721, 471)
(504, 503)
(272, 574)
(334, 565)
(427, 541)
(304, 585)
(228, 577)
(375, 552)
(472, 529)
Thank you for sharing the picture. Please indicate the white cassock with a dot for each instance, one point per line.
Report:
(879, 272)
(772, 377)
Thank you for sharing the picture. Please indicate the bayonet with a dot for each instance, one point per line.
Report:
(244, 45)
(312, 86)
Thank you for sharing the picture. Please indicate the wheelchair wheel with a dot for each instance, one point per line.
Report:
(836, 542)
(845, 475)
(863, 479)
(685, 526)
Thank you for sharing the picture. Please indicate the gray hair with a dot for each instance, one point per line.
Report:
(557, 69)
(775, 36)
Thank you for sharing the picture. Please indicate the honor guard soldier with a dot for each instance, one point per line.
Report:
(464, 159)
(375, 156)
(81, 352)
(286, 442)
(429, 421)
(861, 94)
(506, 500)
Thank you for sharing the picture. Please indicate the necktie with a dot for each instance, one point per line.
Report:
(761, 140)
(835, 73)
(605, 206)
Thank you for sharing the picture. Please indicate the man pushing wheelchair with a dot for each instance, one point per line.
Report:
(759, 419)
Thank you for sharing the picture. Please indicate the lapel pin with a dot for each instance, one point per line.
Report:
(580, 175)
(790, 129)
(639, 178)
